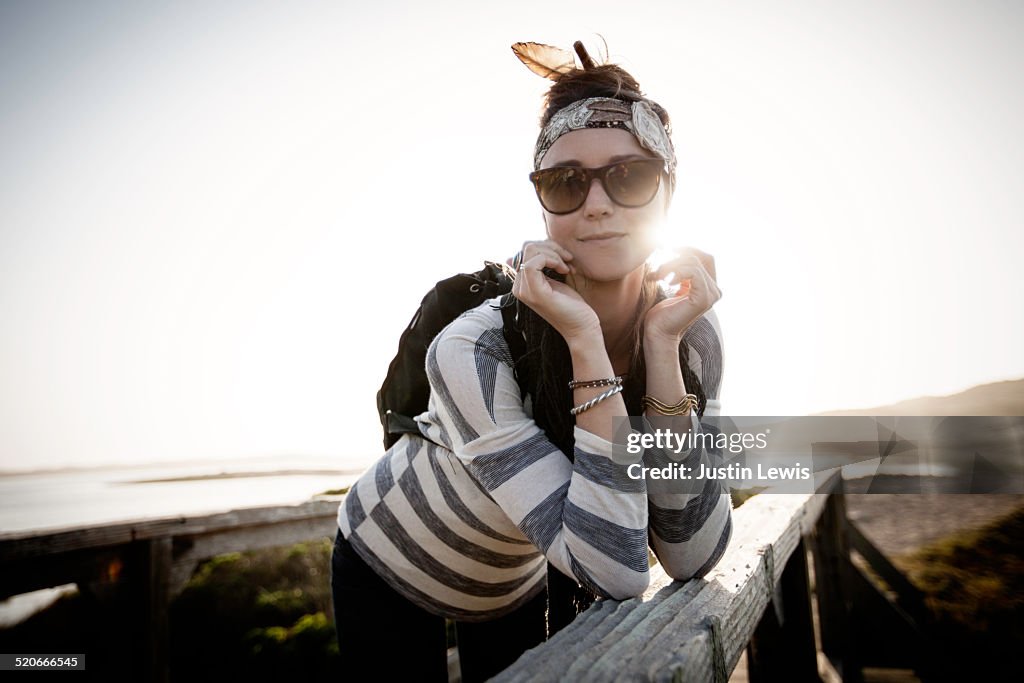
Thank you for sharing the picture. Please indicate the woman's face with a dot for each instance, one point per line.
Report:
(607, 241)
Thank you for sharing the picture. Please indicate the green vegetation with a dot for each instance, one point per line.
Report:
(265, 615)
(974, 587)
(335, 492)
(975, 578)
(255, 616)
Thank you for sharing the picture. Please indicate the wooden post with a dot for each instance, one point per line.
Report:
(831, 576)
(782, 647)
(158, 600)
(908, 597)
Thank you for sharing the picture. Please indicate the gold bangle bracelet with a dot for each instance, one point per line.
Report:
(687, 404)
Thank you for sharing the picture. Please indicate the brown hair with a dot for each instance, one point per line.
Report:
(596, 80)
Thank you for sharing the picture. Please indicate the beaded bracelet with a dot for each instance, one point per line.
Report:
(688, 403)
(597, 399)
(589, 384)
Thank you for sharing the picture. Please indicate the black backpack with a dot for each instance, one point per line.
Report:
(406, 391)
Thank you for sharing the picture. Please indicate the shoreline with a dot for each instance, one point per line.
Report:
(245, 474)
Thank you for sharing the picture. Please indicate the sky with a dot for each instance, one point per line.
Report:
(216, 218)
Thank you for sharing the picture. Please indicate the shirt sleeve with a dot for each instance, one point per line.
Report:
(588, 517)
(691, 521)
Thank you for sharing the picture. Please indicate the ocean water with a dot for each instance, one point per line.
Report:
(58, 499)
(48, 500)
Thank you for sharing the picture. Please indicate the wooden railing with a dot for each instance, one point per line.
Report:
(758, 598)
(135, 568)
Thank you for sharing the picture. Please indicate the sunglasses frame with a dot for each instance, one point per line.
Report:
(601, 174)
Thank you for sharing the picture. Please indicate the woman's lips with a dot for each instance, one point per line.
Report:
(602, 238)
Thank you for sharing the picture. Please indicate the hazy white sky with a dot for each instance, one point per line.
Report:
(216, 218)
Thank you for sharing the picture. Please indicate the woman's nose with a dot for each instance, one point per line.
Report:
(597, 203)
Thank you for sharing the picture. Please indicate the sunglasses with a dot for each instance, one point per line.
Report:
(564, 189)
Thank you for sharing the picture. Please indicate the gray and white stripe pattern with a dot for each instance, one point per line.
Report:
(464, 528)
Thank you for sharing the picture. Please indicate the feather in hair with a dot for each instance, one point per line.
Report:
(544, 60)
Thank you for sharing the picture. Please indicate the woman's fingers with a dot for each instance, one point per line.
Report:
(696, 288)
(531, 274)
(531, 249)
(555, 301)
(687, 276)
(688, 256)
(705, 259)
(681, 268)
(544, 260)
(693, 271)
(697, 294)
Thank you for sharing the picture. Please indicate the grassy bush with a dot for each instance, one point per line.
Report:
(973, 583)
(264, 614)
(973, 578)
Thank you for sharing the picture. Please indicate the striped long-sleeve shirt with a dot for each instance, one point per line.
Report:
(463, 518)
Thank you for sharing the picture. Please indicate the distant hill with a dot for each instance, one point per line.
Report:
(998, 398)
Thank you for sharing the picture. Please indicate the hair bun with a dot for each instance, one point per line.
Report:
(585, 59)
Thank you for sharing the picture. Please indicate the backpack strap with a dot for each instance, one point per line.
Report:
(514, 338)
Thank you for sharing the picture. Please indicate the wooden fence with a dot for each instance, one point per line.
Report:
(758, 599)
(136, 568)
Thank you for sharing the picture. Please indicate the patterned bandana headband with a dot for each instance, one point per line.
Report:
(637, 117)
(603, 112)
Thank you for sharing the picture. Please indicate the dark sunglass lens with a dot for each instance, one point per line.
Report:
(561, 190)
(634, 183)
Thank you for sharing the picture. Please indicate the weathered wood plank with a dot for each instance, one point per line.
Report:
(650, 618)
(695, 661)
(80, 566)
(76, 556)
(782, 647)
(697, 629)
(27, 544)
(909, 598)
(831, 572)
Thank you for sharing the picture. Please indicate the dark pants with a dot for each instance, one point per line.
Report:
(384, 636)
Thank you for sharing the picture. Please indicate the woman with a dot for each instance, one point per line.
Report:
(506, 493)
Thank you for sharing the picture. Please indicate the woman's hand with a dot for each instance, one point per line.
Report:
(694, 272)
(556, 302)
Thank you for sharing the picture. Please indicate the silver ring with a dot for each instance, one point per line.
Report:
(517, 260)
(522, 267)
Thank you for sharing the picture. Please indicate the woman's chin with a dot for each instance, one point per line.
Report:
(608, 272)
